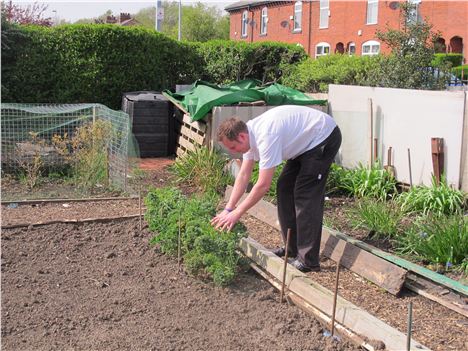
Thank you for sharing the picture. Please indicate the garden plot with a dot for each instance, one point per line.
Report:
(100, 286)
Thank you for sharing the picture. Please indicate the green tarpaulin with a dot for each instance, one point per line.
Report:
(203, 96)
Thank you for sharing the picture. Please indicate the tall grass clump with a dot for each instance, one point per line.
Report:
(207, 252)
(381, 218)
(374, 182)
(335, 180)
(437, 239)
(202, 168)
(436, 199)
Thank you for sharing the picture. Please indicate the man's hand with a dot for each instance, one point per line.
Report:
(225, 220)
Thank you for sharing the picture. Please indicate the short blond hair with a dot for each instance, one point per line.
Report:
(231, 128)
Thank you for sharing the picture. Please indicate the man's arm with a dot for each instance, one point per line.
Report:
(242, 180)
(228, 220)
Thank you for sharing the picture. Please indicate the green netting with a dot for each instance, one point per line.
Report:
(28, 130)
(203, 96)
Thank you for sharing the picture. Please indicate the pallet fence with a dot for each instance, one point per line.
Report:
(190, 134)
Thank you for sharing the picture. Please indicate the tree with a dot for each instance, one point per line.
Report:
(31, 14)
(413, 47)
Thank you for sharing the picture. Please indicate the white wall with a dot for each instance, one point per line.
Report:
(402, 119)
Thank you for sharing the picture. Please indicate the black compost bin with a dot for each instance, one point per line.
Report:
(152, 122)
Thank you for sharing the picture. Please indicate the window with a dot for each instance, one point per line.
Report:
(322, 49)
(414, 16)
(370, 47)
(351, 48)
(298, 16)
(263, 24)
(372, 11)
(245, 20)
(324, 12)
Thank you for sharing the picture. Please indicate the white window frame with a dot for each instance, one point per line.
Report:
(297, 26)
(324, 13)
(374, 48)
(348, 50)
(264, 21)
(244, 24)
(372, 12)
(414, 14)
(322, 49)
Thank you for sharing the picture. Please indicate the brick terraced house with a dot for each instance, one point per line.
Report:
(338, 26)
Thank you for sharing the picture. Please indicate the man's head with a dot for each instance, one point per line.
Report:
(234, 135)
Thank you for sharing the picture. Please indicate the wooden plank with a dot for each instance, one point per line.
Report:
(198, 125)
(347, 314)
(190, 134)
(371, 267)
(185, 143)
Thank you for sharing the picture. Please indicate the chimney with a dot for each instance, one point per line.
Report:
(124, 16)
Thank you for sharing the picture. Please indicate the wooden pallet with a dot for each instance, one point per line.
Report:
(190, 134)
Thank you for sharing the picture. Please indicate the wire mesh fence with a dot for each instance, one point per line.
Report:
(28, 132)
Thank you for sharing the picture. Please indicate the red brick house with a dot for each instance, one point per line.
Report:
(339, 26)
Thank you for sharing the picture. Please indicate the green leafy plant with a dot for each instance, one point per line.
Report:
(206, 251)
(436, 199)
(202, 168)
(437, 239)
(335, 179)
(381, 218)
(373, 181)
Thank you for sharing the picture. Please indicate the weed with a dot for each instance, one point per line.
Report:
(335, 180)
(206, 251)
(202, 168)
(437, 199)
(381, 218)
(437, 239)
(30, 160)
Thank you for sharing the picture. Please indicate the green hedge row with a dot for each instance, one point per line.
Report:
(97, 63)
(453, 59)
(461, 72)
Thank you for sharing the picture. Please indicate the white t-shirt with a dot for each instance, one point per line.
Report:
(285, 132)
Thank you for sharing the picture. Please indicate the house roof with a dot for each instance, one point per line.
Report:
(243, 4)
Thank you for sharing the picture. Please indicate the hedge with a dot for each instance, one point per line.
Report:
(458, 71)
(453, 59)
(97, 63)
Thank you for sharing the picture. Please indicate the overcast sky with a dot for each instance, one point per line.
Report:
(73, 10)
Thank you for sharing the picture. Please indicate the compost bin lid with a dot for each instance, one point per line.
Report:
(145, 96)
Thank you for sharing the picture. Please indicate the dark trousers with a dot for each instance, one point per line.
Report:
(301, 193)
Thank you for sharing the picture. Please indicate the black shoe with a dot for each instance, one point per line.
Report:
(303, 268)
(281, 252)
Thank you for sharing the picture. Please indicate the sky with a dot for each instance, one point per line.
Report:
(73, 10)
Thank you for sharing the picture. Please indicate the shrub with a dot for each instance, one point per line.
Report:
(373, 182)
(437, 239)
(437, 199)
(202, 168)
(381, 218)
(206, 251)
(461, 72)
(335, 179)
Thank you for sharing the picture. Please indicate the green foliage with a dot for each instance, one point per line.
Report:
(413, 47)
(436, 199)
(335, 179)
(206, 251)
(443, 59)
(274, 181)
(461, 72)
(437, 239)
(202, 168)
(314, 75)
(381, 218)
(373, 182)
(227, 61)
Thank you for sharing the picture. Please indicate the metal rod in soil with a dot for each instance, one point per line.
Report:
(409, 165)
(335, 297)
(286, 249)
(410, 326)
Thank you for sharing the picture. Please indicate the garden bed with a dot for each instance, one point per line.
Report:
(100, 286)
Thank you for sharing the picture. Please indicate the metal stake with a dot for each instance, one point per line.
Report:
(288, 235)
(410, 325)
(409, 164)
(335, 297)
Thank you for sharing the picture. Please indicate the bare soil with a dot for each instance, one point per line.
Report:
(100, 286)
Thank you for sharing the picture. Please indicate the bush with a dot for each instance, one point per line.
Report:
(437, 239)
(206, 251)
(461, 72)
(443, 59)
(226, 61)
(381, 218)
(314, 75)
(202, 168)
(437, 199)
(373, 182)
